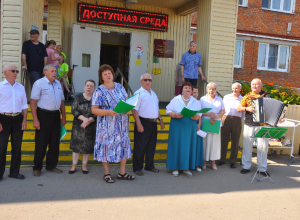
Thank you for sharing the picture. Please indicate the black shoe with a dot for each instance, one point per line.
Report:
(1, 178)
(233, 165)
(85, 171)
(220, 163)
(139, 172)
(17, 176)
(265, 174)
(72, 171)
(245, 171)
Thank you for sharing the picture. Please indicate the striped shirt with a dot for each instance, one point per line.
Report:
(49, 95)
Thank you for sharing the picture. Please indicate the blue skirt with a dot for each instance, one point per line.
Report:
(182, 144)
(199, 152)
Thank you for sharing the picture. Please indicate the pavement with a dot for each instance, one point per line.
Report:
(222, 194)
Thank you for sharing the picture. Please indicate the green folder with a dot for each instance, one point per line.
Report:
(270, 132)
(191, 113)
(63, 132)
(124, 107)
(208, 127)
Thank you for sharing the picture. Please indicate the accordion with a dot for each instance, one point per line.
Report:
(269, 111)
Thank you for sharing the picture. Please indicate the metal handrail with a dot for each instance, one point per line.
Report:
(23, 78)
(123, 79)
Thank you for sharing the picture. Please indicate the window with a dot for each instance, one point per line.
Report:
(238, 54)
(273, 57)
(278, 5)
(243, 2)
(86, 60)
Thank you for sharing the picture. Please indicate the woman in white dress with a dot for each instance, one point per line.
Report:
(212, 142)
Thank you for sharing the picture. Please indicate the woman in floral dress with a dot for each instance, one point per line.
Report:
(112, 144)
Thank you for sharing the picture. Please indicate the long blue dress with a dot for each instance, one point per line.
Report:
(112, 141)
(182, 144)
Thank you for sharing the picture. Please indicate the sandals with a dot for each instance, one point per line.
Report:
(107, 178)
(125, 176)
(188, 173)
(175, 173)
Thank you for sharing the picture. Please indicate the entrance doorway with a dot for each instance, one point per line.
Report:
(92, 47)
(115, 52)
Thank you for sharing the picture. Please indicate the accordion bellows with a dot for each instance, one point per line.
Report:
(269, 111)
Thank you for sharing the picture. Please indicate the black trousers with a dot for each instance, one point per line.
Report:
(231, 129)
(49, 134)
(11, 126)
(144, 143)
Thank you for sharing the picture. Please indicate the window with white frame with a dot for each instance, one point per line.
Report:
(273, 57)
(278, 5)
(243, 2)
(238, 54)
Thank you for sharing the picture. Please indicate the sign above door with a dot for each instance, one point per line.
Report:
(122, 17)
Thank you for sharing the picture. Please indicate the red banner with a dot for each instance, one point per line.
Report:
(122, 17)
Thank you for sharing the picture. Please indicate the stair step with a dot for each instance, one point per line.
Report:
(65, 158)
(69, 126)
(30, 146)
(30, 135)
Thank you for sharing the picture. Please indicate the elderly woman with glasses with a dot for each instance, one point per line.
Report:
(212, 141)
(182, 141)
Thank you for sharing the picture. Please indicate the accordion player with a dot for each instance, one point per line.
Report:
(268, 111)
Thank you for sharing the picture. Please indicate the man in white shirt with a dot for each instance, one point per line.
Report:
(13, 115)
(47, 104)
(232, 125)
(146, 114)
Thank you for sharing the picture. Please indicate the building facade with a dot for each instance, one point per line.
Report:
(268, 37)
(88, 43)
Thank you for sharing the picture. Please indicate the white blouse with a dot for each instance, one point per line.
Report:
(177, 104)
(216, 105)
(231, 104)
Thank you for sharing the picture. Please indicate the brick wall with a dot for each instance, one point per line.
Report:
(249, 70)
(255, 20)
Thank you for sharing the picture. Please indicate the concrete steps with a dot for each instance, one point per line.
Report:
(65, 156)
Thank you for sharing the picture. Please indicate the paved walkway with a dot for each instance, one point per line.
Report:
(222, 194)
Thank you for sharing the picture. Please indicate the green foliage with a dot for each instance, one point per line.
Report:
(283, 93)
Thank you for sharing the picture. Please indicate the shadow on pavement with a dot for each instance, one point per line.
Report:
(57, 187)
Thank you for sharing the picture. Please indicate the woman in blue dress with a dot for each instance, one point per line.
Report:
(112, 143)
(199, 149)
(182, 141)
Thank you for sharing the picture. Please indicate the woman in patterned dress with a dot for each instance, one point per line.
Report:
(112, 143)
(84, 127)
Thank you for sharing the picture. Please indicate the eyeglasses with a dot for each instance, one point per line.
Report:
(14, 71)
(145, 80)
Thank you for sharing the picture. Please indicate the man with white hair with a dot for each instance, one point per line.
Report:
(47, 98)
(191, 64)
(13, 115)
(146, 113)
(250, 128)
(232, 125)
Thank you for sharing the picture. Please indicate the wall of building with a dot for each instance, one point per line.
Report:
(55, 22)
(33, 15)
(249, 69)
(178, 30)
(11, 33)
(216, 44)
(257, 21)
